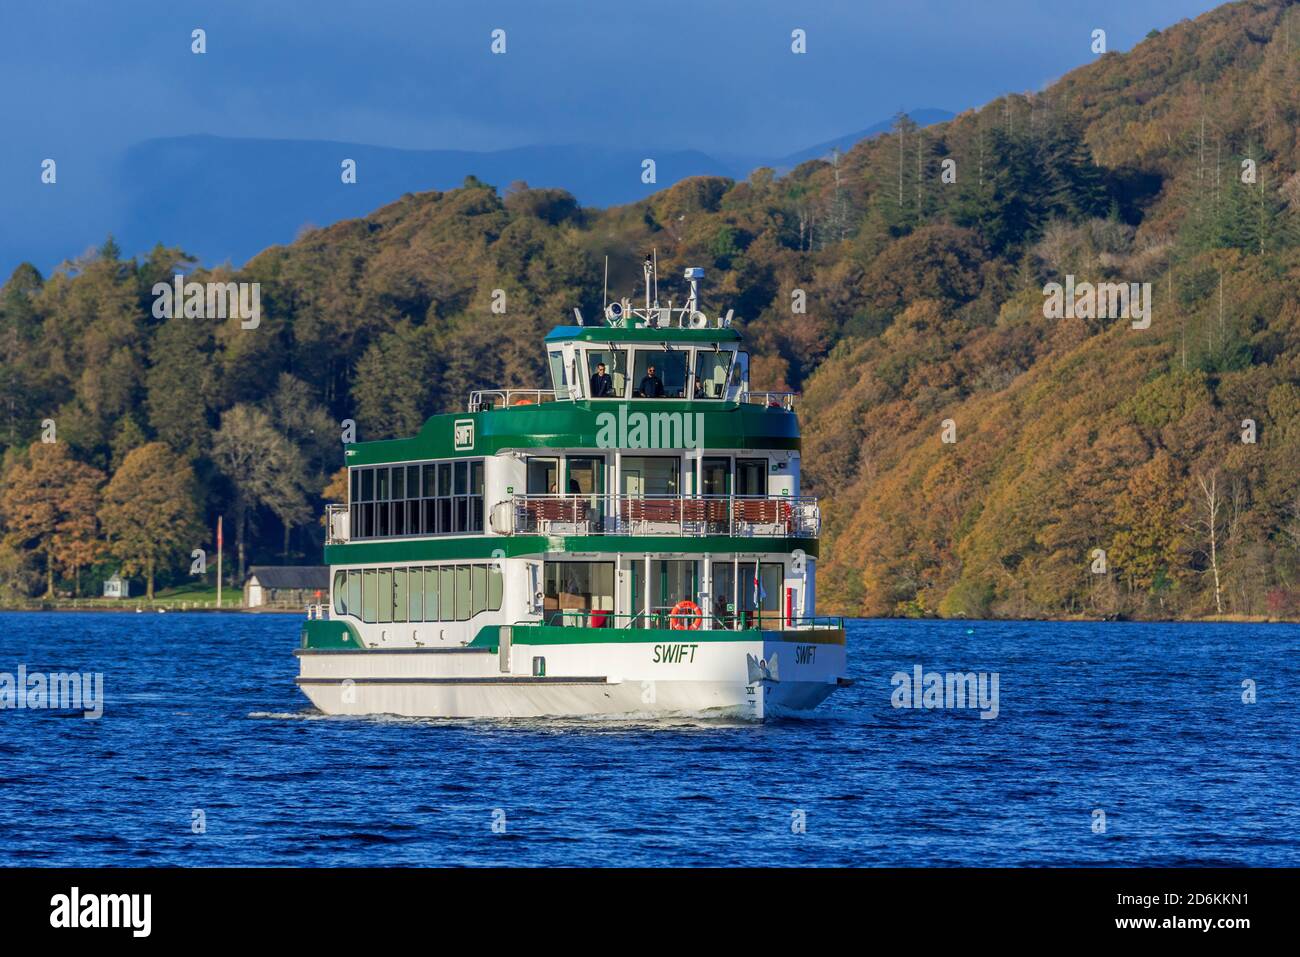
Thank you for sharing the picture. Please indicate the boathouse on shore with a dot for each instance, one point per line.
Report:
(285, 586)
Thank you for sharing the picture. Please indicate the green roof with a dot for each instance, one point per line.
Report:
(642, 334)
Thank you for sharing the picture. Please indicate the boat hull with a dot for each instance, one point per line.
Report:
(545, 672)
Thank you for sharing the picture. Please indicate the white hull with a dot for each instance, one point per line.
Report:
(735, 678)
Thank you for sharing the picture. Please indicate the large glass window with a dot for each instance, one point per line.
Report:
(354, 592)
(716, 475)
(543, 474)
(571, 590)
(401, 595)
(651, 475)
(478, 588)
(659, 373)
(711, 374)
(462, 593)
(759, 593)
(751, 476)
(370, 608)
(615, 361)
(431, 594)
(385, 595)
(340, 592)
(415, 595)
(438, 498)
(447, 593)
(672, 581)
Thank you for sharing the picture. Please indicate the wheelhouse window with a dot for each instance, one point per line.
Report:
(615, 362)
(711, 370)
(659, 374)
(430, 498)
(559, 381)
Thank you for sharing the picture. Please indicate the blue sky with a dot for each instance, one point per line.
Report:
(716, 75)
(84, 81)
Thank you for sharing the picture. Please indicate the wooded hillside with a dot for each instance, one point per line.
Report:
(923, 257)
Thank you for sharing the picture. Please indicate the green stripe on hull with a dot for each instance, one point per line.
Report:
(515, 546)
(330, 634)
(490, 636)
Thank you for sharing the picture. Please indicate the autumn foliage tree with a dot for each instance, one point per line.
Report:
(149, 513)
(49, 507)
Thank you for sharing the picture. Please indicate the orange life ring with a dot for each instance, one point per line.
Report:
(677, 619)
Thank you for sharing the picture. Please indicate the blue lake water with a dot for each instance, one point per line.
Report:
(1142, 721)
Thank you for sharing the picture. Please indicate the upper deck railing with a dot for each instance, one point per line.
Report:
(733, 516)
(486, 400)
(706, 620)
(772, 400)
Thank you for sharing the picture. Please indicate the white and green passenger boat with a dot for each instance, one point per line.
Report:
(631, 540)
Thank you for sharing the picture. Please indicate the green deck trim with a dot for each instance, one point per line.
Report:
(570, 635)
(573, 425)
(342, 636)
(515, 546)
(489, 637)
(322, 633)
(641, 336)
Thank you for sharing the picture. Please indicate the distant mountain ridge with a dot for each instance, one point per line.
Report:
(225, 198)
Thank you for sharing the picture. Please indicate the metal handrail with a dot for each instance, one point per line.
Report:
(337, 524)
(735, 516)
(773, 400)
(746, 620)
(484, 400)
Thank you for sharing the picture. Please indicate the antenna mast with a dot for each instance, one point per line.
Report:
(605, 292)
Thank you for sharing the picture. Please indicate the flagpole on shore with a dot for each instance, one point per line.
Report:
(218, 562)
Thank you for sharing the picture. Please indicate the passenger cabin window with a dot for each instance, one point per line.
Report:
(543, 474)
(716, 473)
(431, 498)
(650, 475)
(615, 363)
(421, 593)
(751, 476)
(711, 374)
(659, 374)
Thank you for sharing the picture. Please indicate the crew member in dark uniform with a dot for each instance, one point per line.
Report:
(602, 386)
(652, 386)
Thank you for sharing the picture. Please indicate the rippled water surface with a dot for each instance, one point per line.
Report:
(1143, 721)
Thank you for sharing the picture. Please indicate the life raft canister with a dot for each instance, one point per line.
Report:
(678, 619)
